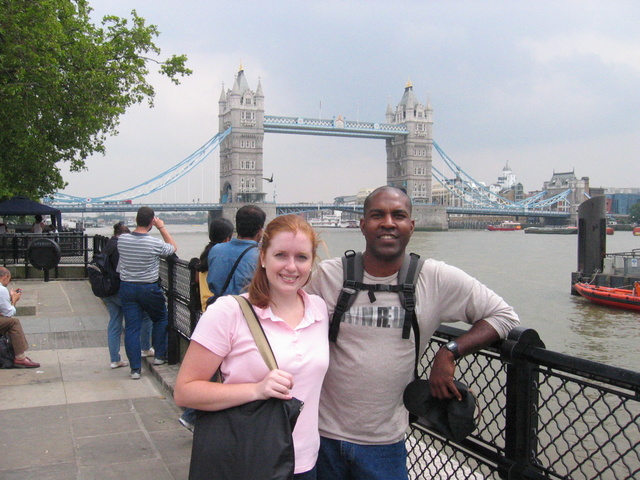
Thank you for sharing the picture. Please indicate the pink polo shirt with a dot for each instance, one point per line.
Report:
(302, 351)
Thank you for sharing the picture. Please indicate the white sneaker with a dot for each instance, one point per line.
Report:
(119, 363)
(135, 374)
(147, 353)
(159, 361)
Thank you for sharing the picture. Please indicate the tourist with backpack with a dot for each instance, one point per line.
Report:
(363, 421)
(105, 284)
(220, 231)
(112, 301)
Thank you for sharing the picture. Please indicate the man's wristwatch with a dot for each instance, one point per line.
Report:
(453, 348)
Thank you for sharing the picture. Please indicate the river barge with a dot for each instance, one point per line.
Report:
(552, 230)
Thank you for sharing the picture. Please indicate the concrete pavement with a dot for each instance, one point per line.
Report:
(75, 417)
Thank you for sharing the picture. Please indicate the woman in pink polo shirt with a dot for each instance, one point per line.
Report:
(296, 325)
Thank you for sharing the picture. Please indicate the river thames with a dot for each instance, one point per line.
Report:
(531, 272)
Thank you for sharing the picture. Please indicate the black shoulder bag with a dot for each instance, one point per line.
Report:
(250, 441)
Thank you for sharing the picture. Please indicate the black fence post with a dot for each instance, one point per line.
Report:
(522, 404)
(195, 305)
(173, 354)
(85, 247)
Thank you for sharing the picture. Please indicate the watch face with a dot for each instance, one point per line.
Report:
(453, 348)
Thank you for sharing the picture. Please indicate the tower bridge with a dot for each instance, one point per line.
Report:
(406, 131)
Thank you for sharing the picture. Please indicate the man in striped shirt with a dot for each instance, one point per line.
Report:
(140, 291)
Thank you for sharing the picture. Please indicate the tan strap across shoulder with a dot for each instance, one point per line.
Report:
(257, 332)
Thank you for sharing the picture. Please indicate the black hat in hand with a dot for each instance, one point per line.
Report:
(454, 419)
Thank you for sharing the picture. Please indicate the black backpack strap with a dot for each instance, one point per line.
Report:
(407, 284)
(416, 337)
(233, 270)
(347, 294)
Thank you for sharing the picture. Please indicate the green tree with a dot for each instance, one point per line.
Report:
(634, 213)
(64, 83)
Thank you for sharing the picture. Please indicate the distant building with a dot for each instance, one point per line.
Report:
(357, 199)
(507, 185)
(561, 182)
(507, 180)
(620, 200)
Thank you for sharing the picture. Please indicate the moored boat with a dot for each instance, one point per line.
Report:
(636, 231)
(326, 221)
(611, 297)
(552, 230)
(505, 226)
(610, 231)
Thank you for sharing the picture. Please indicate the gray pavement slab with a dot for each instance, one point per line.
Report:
(75, 417)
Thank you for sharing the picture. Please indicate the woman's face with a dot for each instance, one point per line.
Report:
(288, 262)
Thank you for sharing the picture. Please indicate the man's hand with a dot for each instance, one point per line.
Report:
(441, 376)
(479, 336)
(158, 223)
(15, 296)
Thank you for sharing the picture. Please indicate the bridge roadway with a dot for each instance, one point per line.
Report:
(284, 208)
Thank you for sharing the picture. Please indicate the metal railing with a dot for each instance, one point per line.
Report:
(543, 415)
(76, 248)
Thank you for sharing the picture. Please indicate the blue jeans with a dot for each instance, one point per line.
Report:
(340, 460)
(114, 329)
(189, 415)
(145, 332)
(136, 300)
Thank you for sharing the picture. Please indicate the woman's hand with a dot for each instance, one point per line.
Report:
(277, 384)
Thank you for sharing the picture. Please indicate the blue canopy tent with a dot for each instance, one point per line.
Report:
(24, 206)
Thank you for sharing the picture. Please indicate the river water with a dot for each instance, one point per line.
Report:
(531, 272)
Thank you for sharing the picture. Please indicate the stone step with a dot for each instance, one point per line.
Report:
(27, 304)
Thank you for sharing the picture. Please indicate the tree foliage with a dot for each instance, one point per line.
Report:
(64, 83)
(634, 212)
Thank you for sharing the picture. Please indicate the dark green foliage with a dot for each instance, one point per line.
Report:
(64, 83)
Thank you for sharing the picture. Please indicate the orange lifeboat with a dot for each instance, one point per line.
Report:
(610, 230)
(636, 231)
(611, 297)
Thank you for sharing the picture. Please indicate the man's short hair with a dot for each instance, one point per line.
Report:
(145, 216)
(249, 220)
(4, 272)
(384, 188)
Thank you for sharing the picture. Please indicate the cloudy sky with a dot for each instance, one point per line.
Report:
(542, 85)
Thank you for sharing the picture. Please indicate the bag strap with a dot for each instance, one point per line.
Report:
(257, 332)
(233, 269)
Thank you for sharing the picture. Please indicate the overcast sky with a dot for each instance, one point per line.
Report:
(541, 85)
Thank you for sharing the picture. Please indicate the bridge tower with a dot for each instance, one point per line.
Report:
(409, 156)
(241, 152)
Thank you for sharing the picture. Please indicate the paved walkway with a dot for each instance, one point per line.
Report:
(74, 417)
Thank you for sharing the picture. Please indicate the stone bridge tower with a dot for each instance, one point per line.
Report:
(241, 152)
(409, 156)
